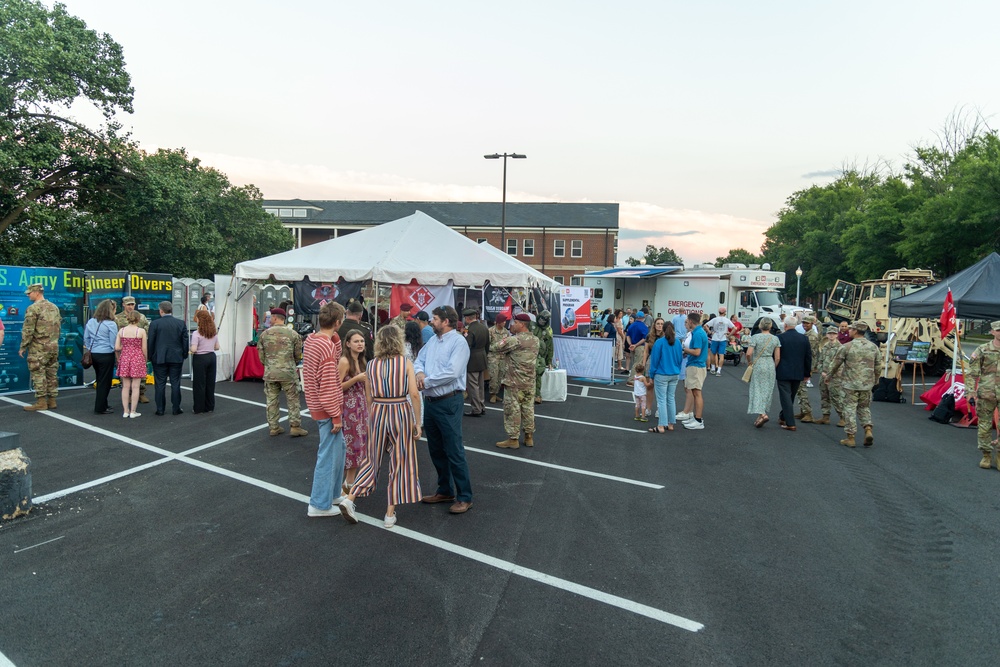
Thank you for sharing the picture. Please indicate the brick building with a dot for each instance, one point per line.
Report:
(560, 240)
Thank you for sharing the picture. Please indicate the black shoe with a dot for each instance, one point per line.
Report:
(159, 413)
(104, 412)
(473, 414)
(178, 411)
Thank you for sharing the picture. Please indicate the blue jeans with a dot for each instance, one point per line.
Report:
(665, 387)
(443, 428)
(328, 477)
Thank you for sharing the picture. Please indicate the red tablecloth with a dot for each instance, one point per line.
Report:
(249, 366)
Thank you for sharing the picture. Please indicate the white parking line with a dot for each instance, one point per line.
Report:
(578, 471)
(577, 421)
(54, 539)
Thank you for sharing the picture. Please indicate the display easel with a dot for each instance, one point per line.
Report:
(913, 382)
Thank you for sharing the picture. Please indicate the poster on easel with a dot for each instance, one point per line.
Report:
(64, 288)
(573, 315)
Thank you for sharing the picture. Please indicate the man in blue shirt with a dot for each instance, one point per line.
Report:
(441, 370)
(637, 333)
(424, 322)
(694, 379)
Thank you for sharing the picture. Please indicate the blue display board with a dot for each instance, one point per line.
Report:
(64, 288)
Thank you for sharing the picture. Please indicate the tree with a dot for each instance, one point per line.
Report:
(50, 60)
(657, 256)
(739, 256)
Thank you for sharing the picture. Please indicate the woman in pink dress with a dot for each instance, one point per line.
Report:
(355, 416)
(131, 346)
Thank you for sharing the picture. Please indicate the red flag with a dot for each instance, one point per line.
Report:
(947, 315)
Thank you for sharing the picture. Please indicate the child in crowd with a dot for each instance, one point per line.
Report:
(639, 393)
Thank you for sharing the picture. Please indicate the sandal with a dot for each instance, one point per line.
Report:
(761, 420)
(656, 429)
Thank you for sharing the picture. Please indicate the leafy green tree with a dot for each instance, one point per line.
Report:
(50, 60)
(656, 256)
(739, 256)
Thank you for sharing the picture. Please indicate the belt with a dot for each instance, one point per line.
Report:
(434, 399)
(389, 400)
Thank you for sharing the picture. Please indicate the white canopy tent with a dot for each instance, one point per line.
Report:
(415, 247)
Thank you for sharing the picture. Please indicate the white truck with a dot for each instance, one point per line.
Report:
(749, 292)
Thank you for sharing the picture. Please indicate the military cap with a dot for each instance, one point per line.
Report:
(858, 325)
(470, 312)
(406, 307)
(278, 311)
(36, 287)
(422, 316)
(995, 325)
(522, 317)
(830, 328)
(811, 319)
(128, 300)
(501, 318)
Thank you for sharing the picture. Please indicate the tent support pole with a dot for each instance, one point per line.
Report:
(957, 351)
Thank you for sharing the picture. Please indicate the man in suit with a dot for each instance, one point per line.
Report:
(477, 335)
(795, 365)
(168, 348)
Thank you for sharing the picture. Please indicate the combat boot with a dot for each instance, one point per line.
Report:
(40, 404)
(277, 430)
(538, 399)
(869, 439)
(825, 419)
(987, 461)
(529, 440)
(52, 403)
(493, 398)
(509, 443)
(849, 441)
(841, 423)
(297, 431)
(799, 415)
(807, 419)
(143, 399)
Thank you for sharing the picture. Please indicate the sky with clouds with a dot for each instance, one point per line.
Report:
(698, 118)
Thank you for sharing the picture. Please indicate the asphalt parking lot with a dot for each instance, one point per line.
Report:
(184, 540)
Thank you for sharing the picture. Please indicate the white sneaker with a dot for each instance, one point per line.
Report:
(694, 425)
(134, 415)
(315, 511)
(347, 509)
(684, 416)
(809, 384)
(390, 521)
(124, 415)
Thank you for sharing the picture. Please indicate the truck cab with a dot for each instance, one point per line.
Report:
(869, 301)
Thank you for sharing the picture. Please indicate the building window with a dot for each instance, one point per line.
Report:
(512, 247)
(272, 211)
(575, 280)
(298, 213)
(285, 212)
(559, 248)
(480, 240)
(559, 279)
(529, 248)
(576, 249)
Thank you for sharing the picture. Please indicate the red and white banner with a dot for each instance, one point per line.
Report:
(947, 315)
(421, 297)
(574, 310)
(944, 386)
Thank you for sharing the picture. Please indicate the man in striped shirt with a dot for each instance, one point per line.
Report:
(325, 400)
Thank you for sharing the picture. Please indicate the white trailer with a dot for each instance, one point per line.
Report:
(748, 292)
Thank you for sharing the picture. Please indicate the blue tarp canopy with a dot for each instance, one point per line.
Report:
(633, 272)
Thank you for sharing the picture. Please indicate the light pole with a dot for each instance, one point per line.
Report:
(503, 206)
(798, 284)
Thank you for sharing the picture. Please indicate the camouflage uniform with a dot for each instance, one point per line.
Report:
(859, 359)
(815, 342)
(830, 393)
(984, 366)
(519, 352)
(494, 360)
(546, 349)
(280, 349)
(399, 322)
(40, 345)
(122, 322)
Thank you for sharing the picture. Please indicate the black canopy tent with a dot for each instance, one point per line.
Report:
(975, 290)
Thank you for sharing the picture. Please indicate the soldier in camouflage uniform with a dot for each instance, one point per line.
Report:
(830, 394)
(494, 360)
(121, 319)
(859, 359)
(404, 316)
(280, 350)
(815, 341)
(984, 374)
(519, 351)
(546, 349)
(40, 342)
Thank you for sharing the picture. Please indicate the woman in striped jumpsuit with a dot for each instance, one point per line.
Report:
(393, 427)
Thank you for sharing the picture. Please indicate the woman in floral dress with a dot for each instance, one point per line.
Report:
(764, 353)
(355, 417)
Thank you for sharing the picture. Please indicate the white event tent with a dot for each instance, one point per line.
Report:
(415, 247)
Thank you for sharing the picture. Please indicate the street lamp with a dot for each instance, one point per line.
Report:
(503, 206)
(798, 284)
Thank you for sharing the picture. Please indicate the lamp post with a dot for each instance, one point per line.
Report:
(798, 284)
(503, 206)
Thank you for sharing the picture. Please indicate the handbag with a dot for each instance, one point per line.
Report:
(87, 360)
(747, 373)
